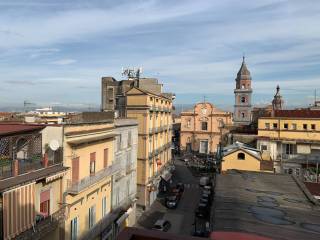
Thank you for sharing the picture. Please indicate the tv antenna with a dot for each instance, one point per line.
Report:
(132, 73)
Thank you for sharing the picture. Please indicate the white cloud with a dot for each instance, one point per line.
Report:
(65, 61)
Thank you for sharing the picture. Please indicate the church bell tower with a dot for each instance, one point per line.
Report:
(242, 93)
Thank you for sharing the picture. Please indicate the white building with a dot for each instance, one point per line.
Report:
(124, 187)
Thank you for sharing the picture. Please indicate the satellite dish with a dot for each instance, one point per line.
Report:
(54, 145)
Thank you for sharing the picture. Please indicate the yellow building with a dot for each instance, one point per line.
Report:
(153, 112)
(288, 133)
(88, 151)
(241, 157)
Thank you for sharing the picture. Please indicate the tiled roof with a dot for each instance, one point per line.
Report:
(300, 113)
(7, 129)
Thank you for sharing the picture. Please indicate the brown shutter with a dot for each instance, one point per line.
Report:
(75, 169)
(105, 157)
(92, 157)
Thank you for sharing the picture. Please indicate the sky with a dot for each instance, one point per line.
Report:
(55, 52)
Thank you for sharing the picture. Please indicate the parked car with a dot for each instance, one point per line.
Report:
(207, 196)
(208, 187)
(202, 211)
(180, 186)
(162, 225)
(172, 201)
(207, 192)
(205, 201)
(204, 181)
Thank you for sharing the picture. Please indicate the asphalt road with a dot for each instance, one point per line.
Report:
(181, 218)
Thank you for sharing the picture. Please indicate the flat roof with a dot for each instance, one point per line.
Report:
(270, 205)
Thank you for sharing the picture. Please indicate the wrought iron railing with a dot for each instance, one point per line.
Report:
(44, 226)
(76, 187)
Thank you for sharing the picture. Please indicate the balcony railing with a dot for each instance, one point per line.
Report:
(77, 187)
(10, 168)
(289, 156)
(44, 226)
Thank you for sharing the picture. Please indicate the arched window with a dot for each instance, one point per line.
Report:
(242, 114)
(241, 156)
(243, 99)
(243, 86)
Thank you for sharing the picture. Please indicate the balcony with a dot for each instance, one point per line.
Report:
(289, 156)
(10, 168)
(43, 226)
(77, 187)
(150, 130)
(111, 217)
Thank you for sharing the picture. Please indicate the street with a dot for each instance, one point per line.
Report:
(181, 218)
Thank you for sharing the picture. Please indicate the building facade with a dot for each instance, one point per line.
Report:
(124, 183)
(202, 128)
(243, 96)
(31, 183)
(153, 112)
(88, 151)
(288, 133)
(239, 156)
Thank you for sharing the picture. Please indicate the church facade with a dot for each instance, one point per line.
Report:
(243, 96)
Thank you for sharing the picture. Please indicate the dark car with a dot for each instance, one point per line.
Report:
(202, 211)
(180, 186)
(205, 201)
(162, 225)
(172, 201)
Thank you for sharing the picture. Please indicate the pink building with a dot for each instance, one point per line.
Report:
(202, 127)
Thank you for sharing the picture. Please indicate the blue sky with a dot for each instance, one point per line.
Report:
(55, 52)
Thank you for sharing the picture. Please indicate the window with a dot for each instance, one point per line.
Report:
(92, 163)
(243, 115)
(188, 123)
(45, 203)
(313, 127)
(204, 126)
(105, 157)
(290, 149)
(92, 216)
(289, 171)
(74, 228)
(285, 126)
(129, 139)
(305, 126)
(294, 126)
(104, 206)
(267, 125)
(243, 99)
(203, 146)
(275, 126)
(150, 145)
(297, 171)
(264, 147)
(119, 143)
(241, 156)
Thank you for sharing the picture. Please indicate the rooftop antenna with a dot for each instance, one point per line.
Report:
(132, 74)
(204, 99)
(315, 97)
